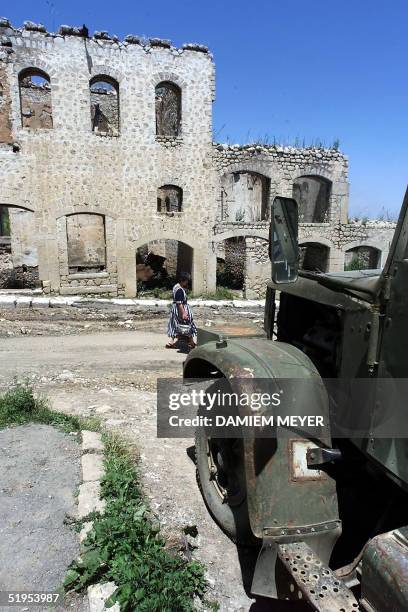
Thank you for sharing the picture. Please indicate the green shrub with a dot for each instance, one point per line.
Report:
(17, 402)
(356, 263)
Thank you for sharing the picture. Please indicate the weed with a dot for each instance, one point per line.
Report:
(221, 293)
(125, 546)
(18, 406)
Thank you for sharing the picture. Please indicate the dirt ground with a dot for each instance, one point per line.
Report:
(38, 486)
(87, 318)
(106, 365)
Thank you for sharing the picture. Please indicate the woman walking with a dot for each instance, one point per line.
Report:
(181, 313)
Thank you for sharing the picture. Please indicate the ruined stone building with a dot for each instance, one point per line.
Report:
(107, 157)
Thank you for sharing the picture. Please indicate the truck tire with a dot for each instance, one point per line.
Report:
(224, 492)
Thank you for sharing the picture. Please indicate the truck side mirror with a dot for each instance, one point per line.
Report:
(283, 240)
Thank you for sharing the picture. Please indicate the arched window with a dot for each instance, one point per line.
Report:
(35, 99)
(312, 193)
(168, 110)
(169, 199)
(244, 197)
(362, 258)
(231, 263)
(86, 242)
(159, 263)
(104, 93)
(314, 256)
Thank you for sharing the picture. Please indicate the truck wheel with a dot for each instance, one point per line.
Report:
(221, 478)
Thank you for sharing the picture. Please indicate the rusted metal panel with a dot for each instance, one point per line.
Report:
(384, 580)
(298, 462)
(315, 581)
(274, 498)
(270, 577)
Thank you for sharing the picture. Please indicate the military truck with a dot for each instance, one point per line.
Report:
(329, 514)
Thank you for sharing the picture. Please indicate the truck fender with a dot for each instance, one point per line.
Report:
(284, 497)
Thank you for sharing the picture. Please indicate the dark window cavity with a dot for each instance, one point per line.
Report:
(35, 99)
(169, 199)
(312, 194)
(168, 110)
(104, 106)
(314, 256)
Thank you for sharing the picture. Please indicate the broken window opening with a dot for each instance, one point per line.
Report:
(86, 243)
(104, 93)
(169, 199)
(168, 110)
(245, 197)
(231, 263)
(18, 249)
(35, 99)
(314, 257)
(362, 258)
(312, 194)
(159, 264)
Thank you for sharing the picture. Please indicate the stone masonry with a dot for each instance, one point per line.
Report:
(84, 166)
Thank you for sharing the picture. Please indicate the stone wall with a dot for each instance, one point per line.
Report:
(69, 169)
(309, 175)
(53, 169)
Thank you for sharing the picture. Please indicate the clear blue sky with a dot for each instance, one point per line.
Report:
(306, 69)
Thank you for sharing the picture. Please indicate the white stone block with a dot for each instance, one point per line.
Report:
(98, 594)
(92, 441)
(89, 499)
(92, 467)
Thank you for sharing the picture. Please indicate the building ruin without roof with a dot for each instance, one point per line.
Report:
(106, 156)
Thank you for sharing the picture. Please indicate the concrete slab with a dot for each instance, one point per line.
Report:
(89, 500)
(63, 301)
(92, 467)
(8, 301)
(41, 302)
(92, 441)
(24, 301)
(71, 296)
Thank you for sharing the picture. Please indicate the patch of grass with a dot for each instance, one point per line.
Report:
(159, 293)
(18, 406)
(124, 545)
(221, 293)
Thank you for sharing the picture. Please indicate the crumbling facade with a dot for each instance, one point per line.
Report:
(106, 155)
